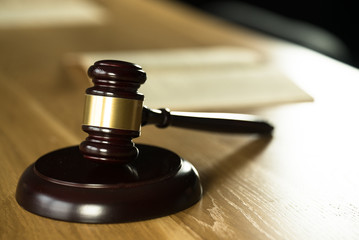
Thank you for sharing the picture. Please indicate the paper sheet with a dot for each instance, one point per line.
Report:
(206, 78)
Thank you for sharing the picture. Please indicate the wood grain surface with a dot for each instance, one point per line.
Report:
(301, 183)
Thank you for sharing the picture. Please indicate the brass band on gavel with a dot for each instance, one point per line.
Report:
(113, 112)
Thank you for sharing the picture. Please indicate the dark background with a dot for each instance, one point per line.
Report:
(329, 27)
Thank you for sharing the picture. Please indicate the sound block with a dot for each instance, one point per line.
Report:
(65, 186)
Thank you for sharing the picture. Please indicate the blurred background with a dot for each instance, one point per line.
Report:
(326, 26)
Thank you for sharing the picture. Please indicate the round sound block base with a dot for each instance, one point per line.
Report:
(63, 185)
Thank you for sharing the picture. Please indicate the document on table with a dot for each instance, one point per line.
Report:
(204, 78)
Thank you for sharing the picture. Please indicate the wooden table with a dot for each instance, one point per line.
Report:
(301, 183)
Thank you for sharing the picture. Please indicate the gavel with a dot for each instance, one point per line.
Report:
(107, 178)
(114, 112)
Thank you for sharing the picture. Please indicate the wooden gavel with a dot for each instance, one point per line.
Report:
(114, 112)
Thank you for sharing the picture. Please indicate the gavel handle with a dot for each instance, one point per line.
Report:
(216, 122)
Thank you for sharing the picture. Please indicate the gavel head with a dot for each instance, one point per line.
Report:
(113, 110)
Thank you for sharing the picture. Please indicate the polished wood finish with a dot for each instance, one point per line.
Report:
(119, 79)
(213, 122)
(301, 183)
(64, 185)
(115, 78)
